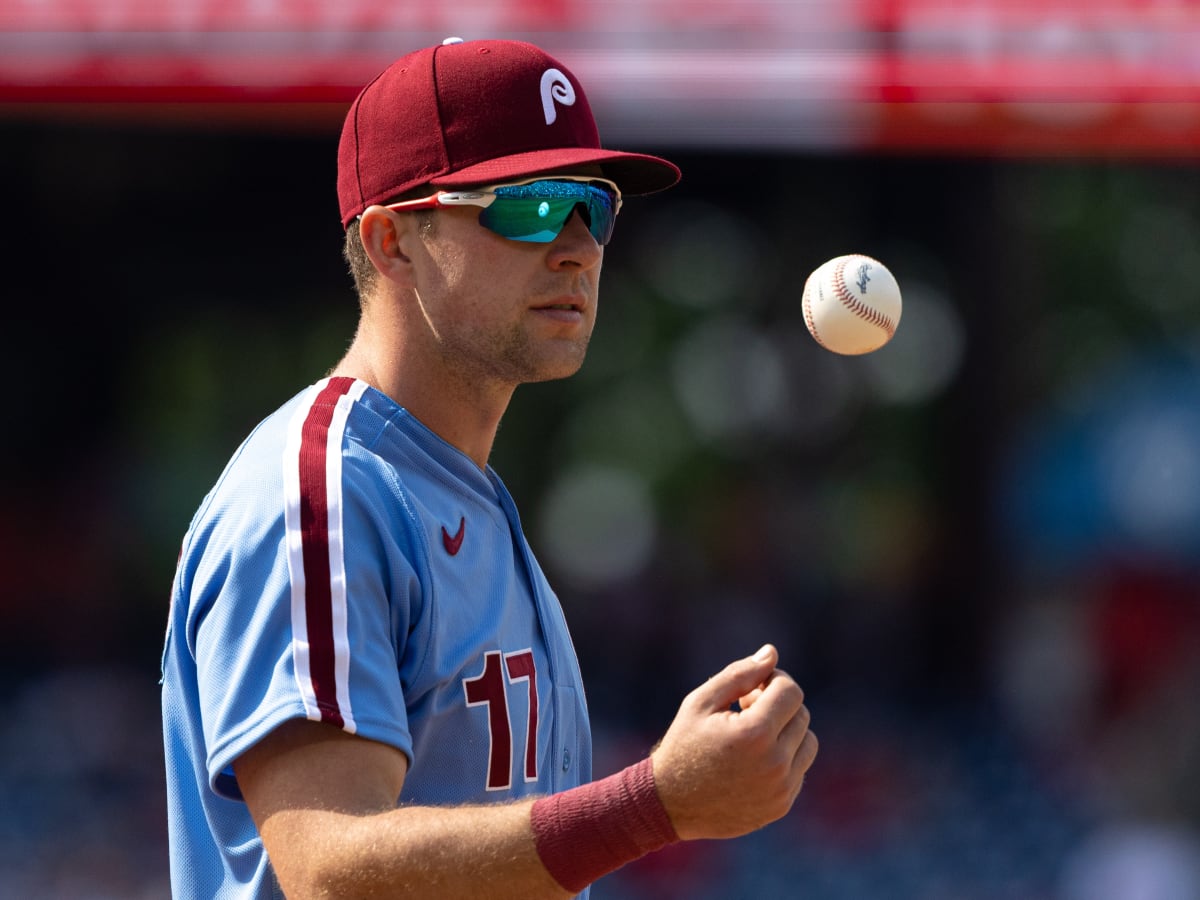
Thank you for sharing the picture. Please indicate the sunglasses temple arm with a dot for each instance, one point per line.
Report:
(466, 198)
(445, 198)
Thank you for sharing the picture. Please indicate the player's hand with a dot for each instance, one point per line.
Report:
(722, 772)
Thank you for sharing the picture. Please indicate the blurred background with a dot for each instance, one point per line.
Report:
(976, 549)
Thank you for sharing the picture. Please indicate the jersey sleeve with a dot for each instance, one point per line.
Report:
(303, 591)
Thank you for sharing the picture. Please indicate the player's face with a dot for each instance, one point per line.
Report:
(509, 311)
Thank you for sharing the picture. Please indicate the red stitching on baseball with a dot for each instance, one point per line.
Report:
(856, 306)
(807, 306)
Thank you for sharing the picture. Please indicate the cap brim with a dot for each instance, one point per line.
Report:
(633, 173)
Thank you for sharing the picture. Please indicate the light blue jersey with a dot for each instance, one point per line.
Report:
(351, 567)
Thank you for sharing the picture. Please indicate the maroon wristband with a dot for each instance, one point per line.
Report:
(596, 828)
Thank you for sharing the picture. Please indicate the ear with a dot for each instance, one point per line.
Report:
(385, 236)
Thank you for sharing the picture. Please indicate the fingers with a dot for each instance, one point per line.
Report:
(795, 729)
(799, 745)
(721, 772)
(736, 680)
(805, 756)
(775, 705)
(744, 703)
(779, 704)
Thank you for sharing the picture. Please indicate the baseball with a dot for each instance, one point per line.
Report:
(852, 304)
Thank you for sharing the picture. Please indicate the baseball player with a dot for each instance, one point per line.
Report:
(368, 684)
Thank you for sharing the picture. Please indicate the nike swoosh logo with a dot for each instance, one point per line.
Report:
(453, 544)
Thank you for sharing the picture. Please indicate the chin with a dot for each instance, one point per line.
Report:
(555, 370)
(554, 375)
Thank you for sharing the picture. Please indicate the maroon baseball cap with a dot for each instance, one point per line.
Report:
(471, 113)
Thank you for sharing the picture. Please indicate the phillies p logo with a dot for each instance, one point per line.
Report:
(555, 88)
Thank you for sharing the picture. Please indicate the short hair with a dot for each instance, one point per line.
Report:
(362, 270)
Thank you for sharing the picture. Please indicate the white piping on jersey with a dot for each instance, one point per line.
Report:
(300, 594)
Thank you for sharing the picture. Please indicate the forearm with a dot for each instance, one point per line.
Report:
(551, 847)
(485, 852)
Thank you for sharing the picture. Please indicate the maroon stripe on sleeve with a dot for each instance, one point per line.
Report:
(314, 529)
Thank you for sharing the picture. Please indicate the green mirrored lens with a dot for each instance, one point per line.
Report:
(537, 212)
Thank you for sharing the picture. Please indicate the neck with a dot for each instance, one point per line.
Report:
(466, 415)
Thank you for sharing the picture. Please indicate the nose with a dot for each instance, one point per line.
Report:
(575, 247)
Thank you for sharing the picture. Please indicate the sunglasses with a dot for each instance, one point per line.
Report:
(536, 210)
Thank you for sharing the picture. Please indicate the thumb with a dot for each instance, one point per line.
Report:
(737, 679)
